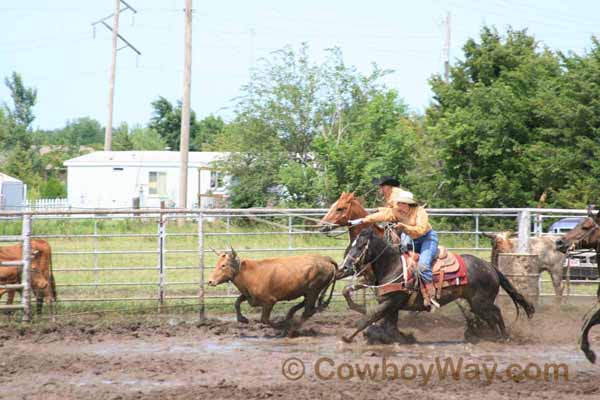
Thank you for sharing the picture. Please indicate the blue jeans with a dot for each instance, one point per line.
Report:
(427, 247)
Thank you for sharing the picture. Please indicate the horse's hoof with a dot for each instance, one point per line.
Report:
(591, 356)
(408, 339)
(242, 320)
(346, 339)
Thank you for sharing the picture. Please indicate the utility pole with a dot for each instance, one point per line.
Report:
(111, 83)
(184, 144)
(446, 50)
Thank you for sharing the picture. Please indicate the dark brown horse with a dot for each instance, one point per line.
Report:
(346, 208)
(484, 282)
(585, 235)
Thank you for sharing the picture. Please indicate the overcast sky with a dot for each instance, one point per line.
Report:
(51, 43)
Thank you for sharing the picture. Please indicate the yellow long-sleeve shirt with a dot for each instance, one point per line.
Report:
(415, 223)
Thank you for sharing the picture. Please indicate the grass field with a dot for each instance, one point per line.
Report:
(102, 263)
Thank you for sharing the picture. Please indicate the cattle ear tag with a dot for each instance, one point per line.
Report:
(35, 252)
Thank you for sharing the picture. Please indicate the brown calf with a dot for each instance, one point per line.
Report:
(42, 279)
(265, 282)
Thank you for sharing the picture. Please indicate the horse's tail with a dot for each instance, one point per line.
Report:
(585, 343)
(322, 303)
(516, 297)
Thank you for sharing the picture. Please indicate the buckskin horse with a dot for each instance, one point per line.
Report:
(476, 281)
(585, 235)
(549, 259)
(348, 207)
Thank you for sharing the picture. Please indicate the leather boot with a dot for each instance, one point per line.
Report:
(425, 294)
(430, 293)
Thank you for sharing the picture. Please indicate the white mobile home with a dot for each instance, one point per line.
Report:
(113, 179)
(13, 193)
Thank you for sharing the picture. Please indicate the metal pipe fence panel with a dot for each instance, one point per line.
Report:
(125, 256)
(23, 269)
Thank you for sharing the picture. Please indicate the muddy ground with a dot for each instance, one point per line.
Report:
(168, 357)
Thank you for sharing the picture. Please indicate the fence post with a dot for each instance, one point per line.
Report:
(524, 230)
(26, 272)
(228, 227)
(201, 260)
(161, 261)
(290, 240)
(477, 231)
(96, 272)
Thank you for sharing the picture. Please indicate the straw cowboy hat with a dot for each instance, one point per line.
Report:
(403, 196)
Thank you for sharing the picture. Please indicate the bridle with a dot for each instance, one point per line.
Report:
(360, 259)
(589, 233)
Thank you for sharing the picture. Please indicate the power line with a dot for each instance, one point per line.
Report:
(446, 49)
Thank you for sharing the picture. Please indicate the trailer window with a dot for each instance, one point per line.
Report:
(157, 183)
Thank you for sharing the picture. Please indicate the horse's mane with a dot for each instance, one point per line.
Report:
(350, 196)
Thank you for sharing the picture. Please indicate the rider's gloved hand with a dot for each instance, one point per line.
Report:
(355, 221)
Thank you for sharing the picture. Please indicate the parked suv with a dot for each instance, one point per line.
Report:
(565, 225)
(582, 265)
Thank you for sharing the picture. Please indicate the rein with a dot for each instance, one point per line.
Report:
(336, 236)
(578, 242)
(366, 265)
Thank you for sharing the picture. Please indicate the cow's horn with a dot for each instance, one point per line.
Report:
(233, 253)
(214, 251)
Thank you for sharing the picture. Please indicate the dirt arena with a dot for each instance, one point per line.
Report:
(176, 356)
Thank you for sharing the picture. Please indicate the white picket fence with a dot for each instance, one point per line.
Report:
(45, 204)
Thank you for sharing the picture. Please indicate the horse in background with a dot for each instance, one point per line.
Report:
(549, 258)
(586, 235)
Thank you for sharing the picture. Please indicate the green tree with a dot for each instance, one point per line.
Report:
(20, 115)
(487, 118)
(23, 98)
(303, 132)
(209, 129)
(146, 139)
(4, 131)
(83, 131)
(566, 156)
(166, 120)
(24, 164)
(53, 188)
(121, 140)
(380, 140)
